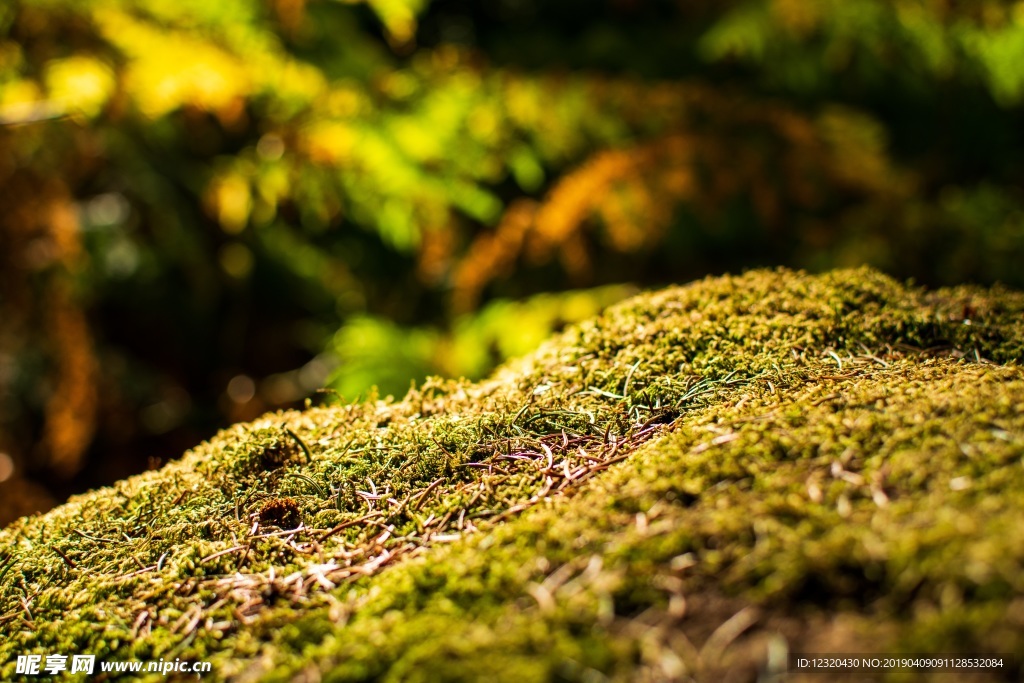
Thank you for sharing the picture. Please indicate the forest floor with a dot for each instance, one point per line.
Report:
(697, 484)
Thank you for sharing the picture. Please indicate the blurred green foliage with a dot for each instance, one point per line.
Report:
(213, 208)
(377, 352)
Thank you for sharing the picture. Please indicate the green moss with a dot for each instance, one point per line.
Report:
(695, 480)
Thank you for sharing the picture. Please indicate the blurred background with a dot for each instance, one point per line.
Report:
(209, 210)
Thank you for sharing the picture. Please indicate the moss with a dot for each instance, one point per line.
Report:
(693, 482)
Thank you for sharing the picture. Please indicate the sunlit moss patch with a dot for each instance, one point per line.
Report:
(701, 479)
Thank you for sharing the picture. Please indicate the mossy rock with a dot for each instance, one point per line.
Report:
(690, 486)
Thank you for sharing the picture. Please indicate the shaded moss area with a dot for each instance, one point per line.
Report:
(692, 485)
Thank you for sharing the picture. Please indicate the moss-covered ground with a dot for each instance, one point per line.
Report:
(690, 486)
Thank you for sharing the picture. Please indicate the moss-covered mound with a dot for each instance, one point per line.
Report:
(695, 483)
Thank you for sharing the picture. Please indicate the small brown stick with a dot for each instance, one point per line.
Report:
(64, 557)
(289, 544)
(823, 399)
(515, 509)
(609, 462)
(399, 505)
(26, 607)
(578, 475)
(221, 553)
(345, 525)
(476, 497)
(579, 472)
(139, 621)
(423, 496)
(285, 532)
(591, 458)
(93, 538)
(438, 443)
(137, 572)
(444, 520)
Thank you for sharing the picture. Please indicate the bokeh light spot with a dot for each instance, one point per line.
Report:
(236, 260)
(6, 467)
(241, 389)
